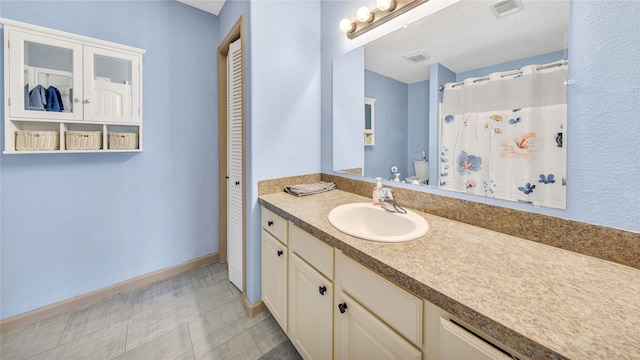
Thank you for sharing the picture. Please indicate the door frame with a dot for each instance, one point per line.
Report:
(236, 32)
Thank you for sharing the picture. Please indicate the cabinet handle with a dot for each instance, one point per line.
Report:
(86, 102)
(322, 290)
(76, 100)
(237, 182)
(269, 223)
(279, 252)
(342, 307)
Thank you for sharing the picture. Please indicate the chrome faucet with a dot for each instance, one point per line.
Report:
(389, 202)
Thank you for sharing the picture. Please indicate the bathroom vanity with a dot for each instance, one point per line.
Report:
(460, 291)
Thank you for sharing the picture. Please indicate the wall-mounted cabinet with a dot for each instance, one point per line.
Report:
(69, 93)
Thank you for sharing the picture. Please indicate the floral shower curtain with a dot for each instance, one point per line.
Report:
(502, 136)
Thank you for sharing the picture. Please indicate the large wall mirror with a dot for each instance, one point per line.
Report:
(402, 71)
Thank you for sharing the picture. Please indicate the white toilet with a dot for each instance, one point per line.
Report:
(422, 170)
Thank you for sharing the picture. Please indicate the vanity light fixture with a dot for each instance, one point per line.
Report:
(385, 5)
(368, 19)
(346, 26)
(364, 15)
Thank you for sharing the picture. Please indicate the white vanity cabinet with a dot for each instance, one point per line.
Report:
(374, 318)
(275, 266)
(310, 295)
(359, 316)
(62, 88)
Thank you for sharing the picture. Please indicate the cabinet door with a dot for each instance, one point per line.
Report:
(310, 311)
(396, 307)
(456, 343)
(361, 335)
(274, 278)
(111, 86)
(44, 75)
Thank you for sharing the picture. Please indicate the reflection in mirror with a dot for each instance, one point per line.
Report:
(501, 136)
(369, 122)
(403, 71)
(348, 112)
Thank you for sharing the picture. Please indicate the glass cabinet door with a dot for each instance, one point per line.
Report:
(112, 87)
(45, 77)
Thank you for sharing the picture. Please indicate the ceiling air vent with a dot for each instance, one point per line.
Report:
(416, 55)
(504, 8)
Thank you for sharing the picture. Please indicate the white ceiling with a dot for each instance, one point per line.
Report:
(467, 35)
(210, 6)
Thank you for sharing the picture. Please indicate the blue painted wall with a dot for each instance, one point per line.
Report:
(348, 85)
(418, 124)
(158, 208)
(71, 224)
(604, 48)
(402, 117)
(285, 107)
(391, 108)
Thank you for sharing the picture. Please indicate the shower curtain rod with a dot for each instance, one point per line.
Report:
(510, 73)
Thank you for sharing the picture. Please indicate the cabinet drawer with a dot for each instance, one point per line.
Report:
(394, 305)
(274, 224)
(314, 251)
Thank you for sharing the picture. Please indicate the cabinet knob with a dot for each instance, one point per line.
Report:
(279, 252)
(269, 223)
(322, 290)
(342, 307)
(237, 183)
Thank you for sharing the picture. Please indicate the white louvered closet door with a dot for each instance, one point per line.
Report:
(234, 163)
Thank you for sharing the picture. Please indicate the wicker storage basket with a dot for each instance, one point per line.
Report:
(33, 140)
(123, 140)
(83, 140)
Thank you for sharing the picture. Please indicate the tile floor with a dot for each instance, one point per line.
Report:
(196, 315)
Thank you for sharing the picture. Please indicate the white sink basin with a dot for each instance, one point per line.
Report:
(369, 222)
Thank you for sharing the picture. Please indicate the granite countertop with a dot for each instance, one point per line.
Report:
(542, 301)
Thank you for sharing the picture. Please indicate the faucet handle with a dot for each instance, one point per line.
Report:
(385, 195)
(388, 192)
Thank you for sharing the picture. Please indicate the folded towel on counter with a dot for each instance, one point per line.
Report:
(309, 189)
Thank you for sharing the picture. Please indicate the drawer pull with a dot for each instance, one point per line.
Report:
(269, 223)
(342, 307)
(322, 290)
(279, 252)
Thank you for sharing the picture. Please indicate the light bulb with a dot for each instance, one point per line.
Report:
(346, 26)
(385, 5)
(363, 14)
